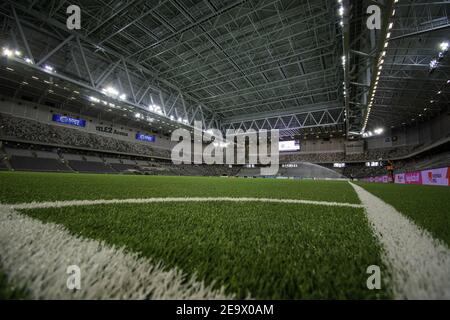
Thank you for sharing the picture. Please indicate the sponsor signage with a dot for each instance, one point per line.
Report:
(292, 145)
(380, 179)
(433, 177)
(413, 177)
(400, 178)
(145, 137)
(111, 130)
(68, 120)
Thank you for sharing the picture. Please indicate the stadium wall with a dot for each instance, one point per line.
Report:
(420, 134)
(44, 114)
(321, 146)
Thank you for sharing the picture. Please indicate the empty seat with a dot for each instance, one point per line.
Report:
(119, 167)
(70, 156)
(90, 167)
(112, 160)
(3, 165)
(19, 152)
(47, 155)
(127, 161)
(93, 159)
(21, 163)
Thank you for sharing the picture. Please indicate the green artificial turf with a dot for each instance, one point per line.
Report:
(17, 187)
(427, 206)
(270, 251)
(9, 292)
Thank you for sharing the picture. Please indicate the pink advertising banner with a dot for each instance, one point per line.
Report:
(380, 179)
(433, 177)
(400, 178)
(413, 178)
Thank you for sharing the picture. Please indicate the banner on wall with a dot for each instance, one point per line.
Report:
(145, 137)
(433, 177)
(413, 177)
(400, 178)
(68, 120)
(380, 179)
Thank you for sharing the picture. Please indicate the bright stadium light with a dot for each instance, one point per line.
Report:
(433, 64)
(111, 91)
(156, 109)
(7, 53)
(444, 46)
(48, 68)
(379, 131)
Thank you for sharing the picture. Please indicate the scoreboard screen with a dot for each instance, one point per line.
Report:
(292, 145)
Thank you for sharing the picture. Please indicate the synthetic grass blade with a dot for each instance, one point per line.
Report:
(420, 265)
(38, 255)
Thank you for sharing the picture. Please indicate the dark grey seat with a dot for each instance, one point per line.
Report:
(90, 167)
(119, 167)
(3, 165)
(21, 163)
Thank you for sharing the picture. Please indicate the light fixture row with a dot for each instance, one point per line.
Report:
(379, 68)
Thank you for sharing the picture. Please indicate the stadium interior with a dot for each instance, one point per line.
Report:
(351, 101)
(244, 65)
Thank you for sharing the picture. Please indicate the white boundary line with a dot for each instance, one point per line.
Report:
(420, 264)
(36, 255)
(62, 204)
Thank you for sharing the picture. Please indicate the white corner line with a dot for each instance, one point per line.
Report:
(419, 264)
(62, 204)
(37, 255)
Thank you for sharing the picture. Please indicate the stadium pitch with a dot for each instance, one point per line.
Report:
(141, 237)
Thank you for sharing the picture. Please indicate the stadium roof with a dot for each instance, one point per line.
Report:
(231, 64)
(392, 74)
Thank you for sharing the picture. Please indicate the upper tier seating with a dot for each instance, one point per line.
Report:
(33, 131)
